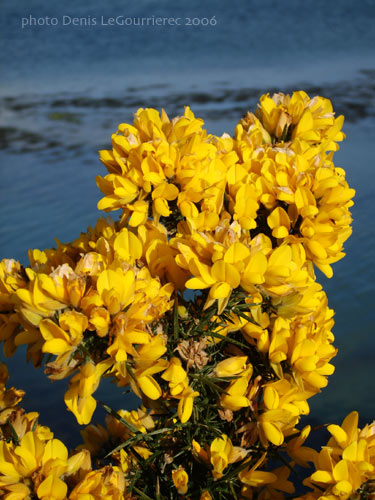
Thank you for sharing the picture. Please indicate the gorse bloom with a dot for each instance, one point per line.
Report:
(89, 296)
(223, 453)
(347, 461)
(201, 300)
(180, 480)
(158, 161)
(33, 464)
(9, 398)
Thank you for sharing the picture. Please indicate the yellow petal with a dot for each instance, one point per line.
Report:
(128, 246)
(257, 477)
(322, 476)
(273, 433)
(227, 273)
(149, 387)
(52, 488)
(231, 366)
(340, 471)
(236, 252)
(338, 433)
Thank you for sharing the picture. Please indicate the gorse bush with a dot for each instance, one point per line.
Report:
(202, 300)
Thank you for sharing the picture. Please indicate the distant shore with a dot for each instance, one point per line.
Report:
(51, 122)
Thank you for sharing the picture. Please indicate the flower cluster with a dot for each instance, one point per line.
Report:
(33, 464)
(90, 303)
(201, 299)
(345, 467)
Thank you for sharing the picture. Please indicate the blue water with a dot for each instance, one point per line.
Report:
(253, 41)
(64, 89)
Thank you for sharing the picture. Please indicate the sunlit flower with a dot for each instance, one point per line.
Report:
(78, 397)
(347, 461)
(223, 453)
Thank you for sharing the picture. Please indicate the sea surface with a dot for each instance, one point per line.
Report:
(65, 87)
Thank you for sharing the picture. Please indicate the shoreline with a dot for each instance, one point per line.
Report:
(56, 122)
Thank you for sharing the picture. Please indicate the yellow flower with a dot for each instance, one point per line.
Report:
(9, 398)
(161, 195)
(305, 340)
(235, 397)
(116, 289)
(147, 384)
(279, 222)
(100, 320)
(94, 436)
(52, 488)
(245, 199)
(223, 453)
(299, 117)
(276, 489)
(107, 483)
(180, 480)
(203, 454)
(174, 374)
(223, 277)
(45, 294)
(146, 155)
(299, 453)
(118, 191)
(233, 263)
(148, 363)
(339, 477)
(220, 451)
(306, 198)
(139, 213)
(34, 464)
(78, 397)
(67, 336)
(160, 255)
(347, 461)
(11, 280)
(230, 366)
(185, 404)
(255, 478)
(206, 496)
(127, 246)
(283, 403)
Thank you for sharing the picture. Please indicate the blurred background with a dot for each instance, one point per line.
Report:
(67, 84)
